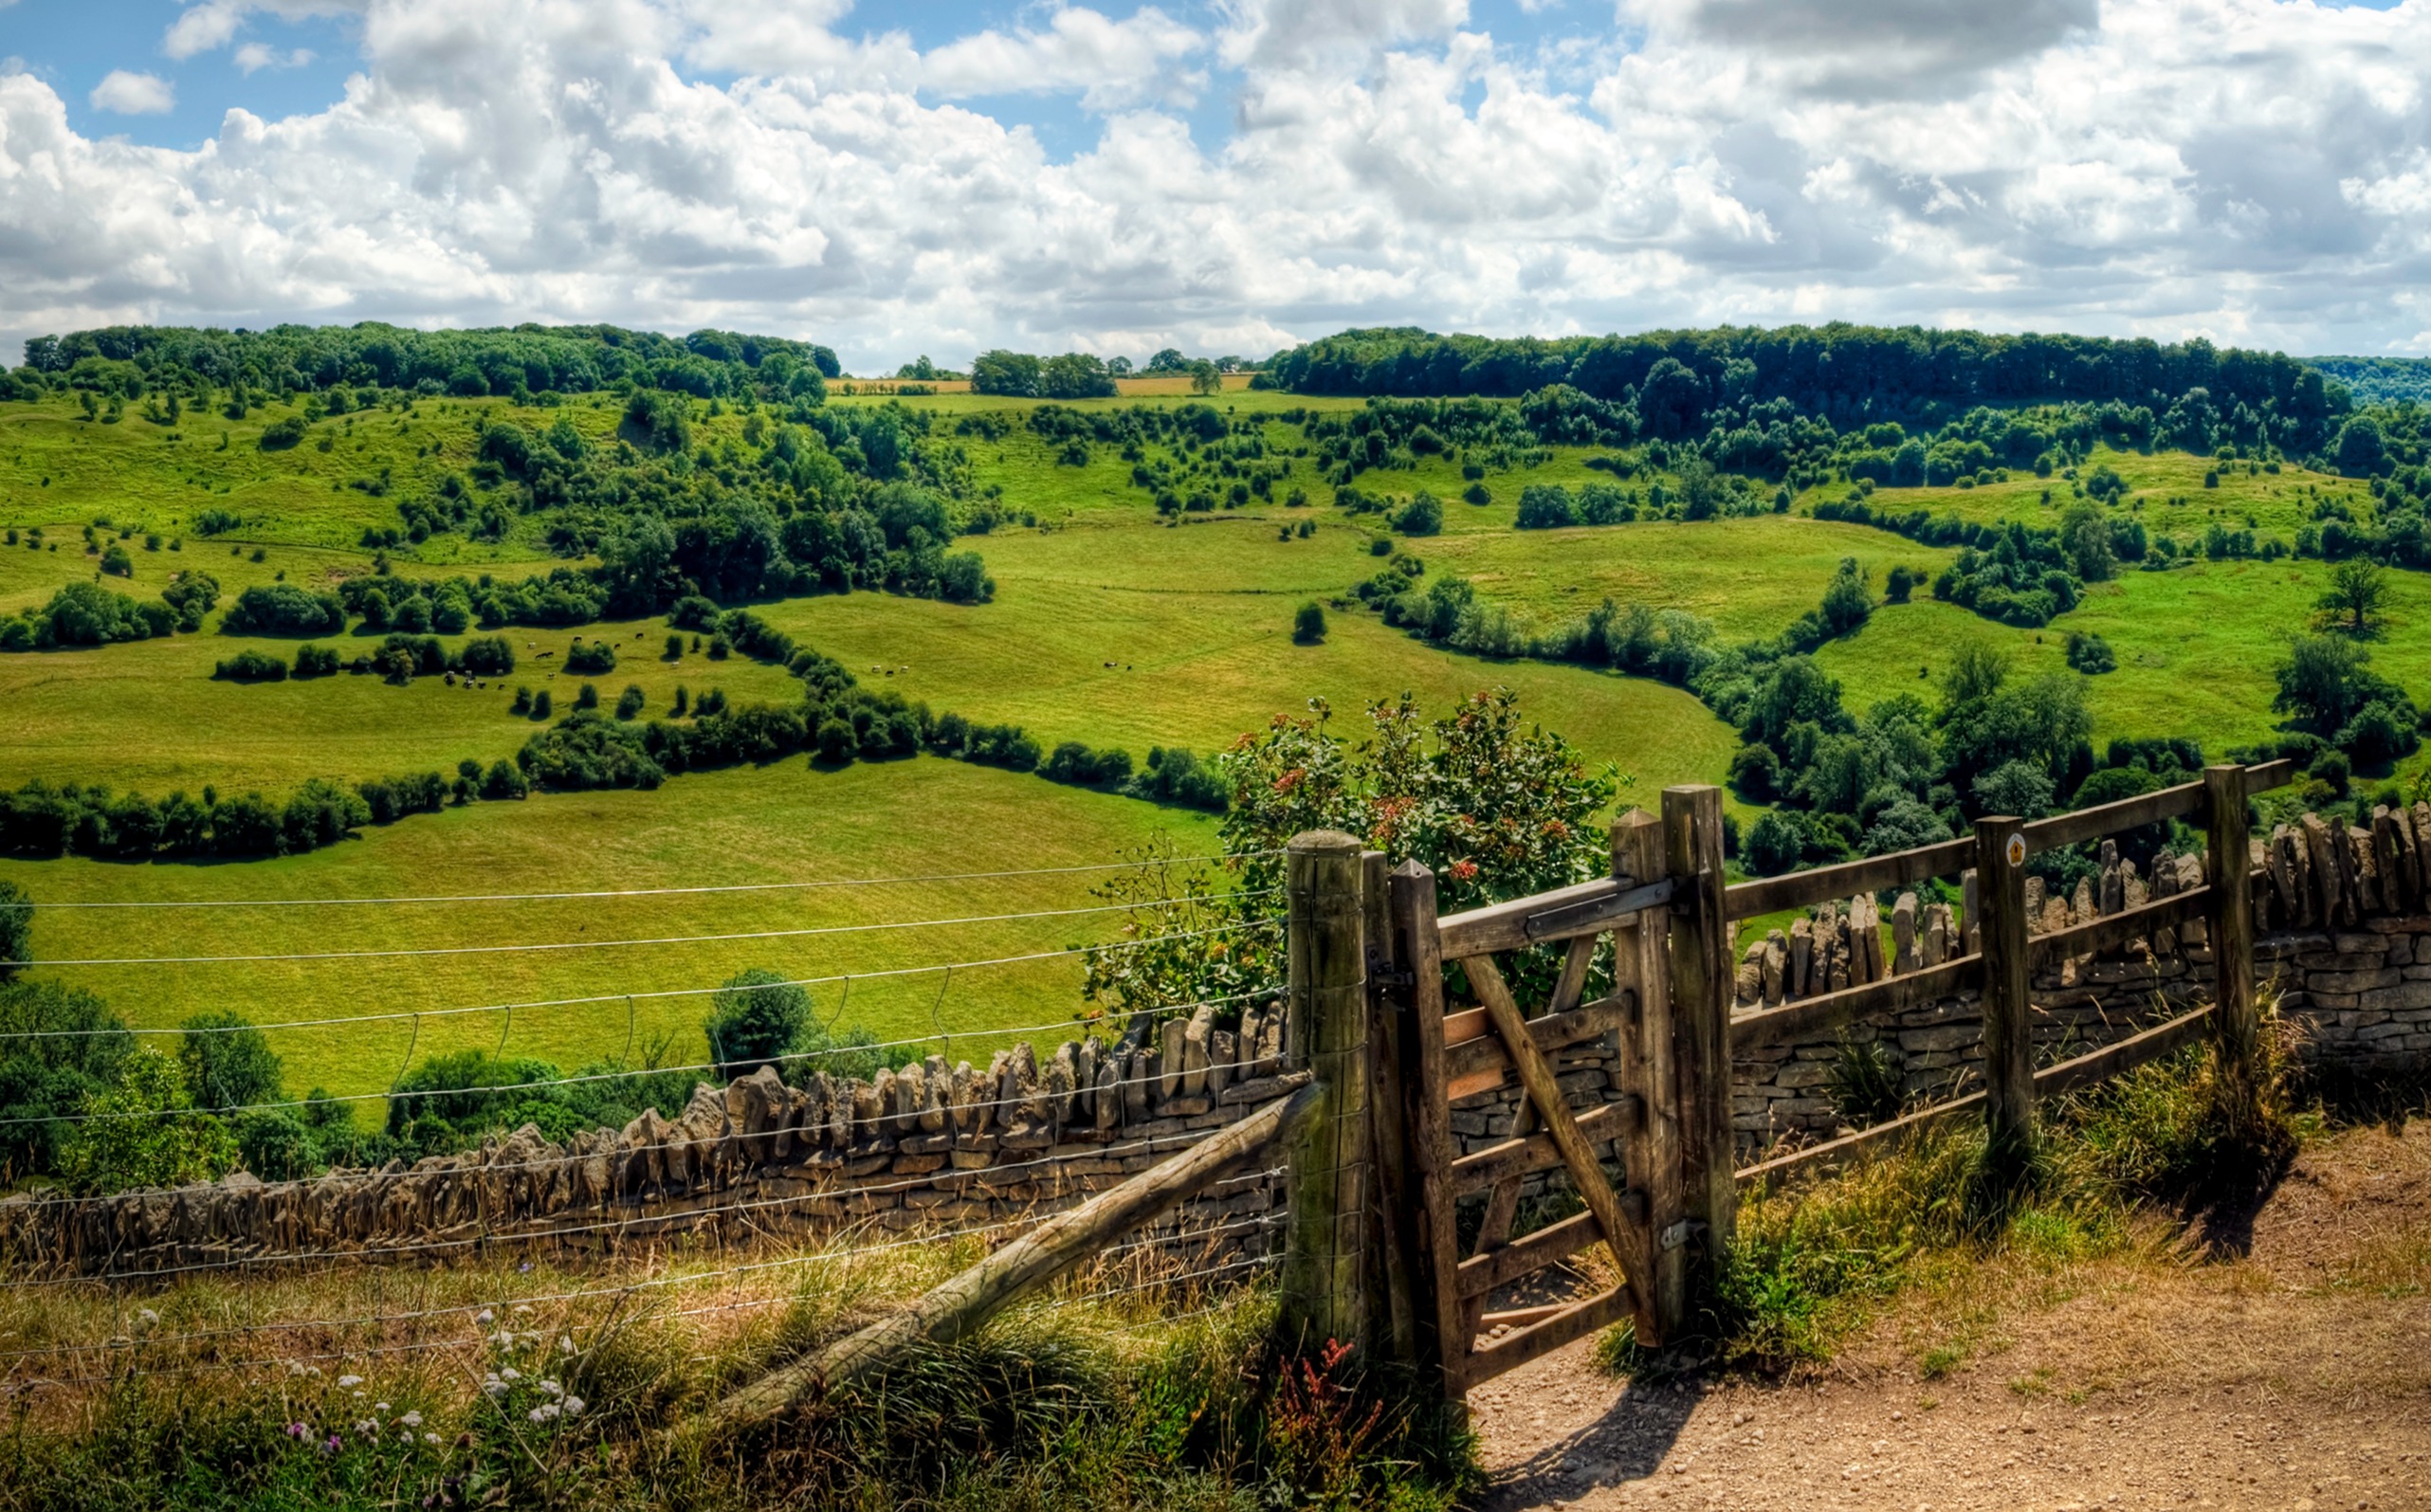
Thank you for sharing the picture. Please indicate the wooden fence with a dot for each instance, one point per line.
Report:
(1378, 1053)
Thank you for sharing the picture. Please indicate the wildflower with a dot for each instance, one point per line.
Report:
(147, 1317)
(503, 1339)
(366, 1425)
(574, 1407)
(332, 1444)
(485, 1317)
(345, 1382)
(543, 1412)
(297, 1431)
(553, 1388)
(523, 1306)
(510, 1374)
(565, 1344)
(430, 1438)
(379, 1407)
(412, 1419)
(524, 1268)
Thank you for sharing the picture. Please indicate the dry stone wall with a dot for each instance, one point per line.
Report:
(2342, 937)
(926, 1146)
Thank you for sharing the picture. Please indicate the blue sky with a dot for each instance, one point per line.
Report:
(73, 45)
(943, 176)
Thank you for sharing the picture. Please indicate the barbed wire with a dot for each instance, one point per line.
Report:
(1149, 1145)
(660, 994)
(654, 892)
(496, 1304)
(532, 948)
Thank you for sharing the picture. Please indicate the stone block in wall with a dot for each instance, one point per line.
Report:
(1949, 1037)
(2405, 995)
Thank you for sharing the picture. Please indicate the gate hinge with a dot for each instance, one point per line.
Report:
(1674, 1236)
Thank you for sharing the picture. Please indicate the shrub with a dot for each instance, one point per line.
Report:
(1175, 776)
(252, 666)
(281, 434)
(1309, 624)
(1421, 516)
(1077, 764)
(16, 930)
(1773, 844)
(2090, 654)
(63, 1047)
(315, 661)
(674, 646)
(192, 594)
(587, 695)
(116, 561)
(628, 702)
(1477, 494)
(141, 1132)
(216, 522)
(1546, 506)
(504, 780)
(489, 656)
(277, 1145)
(594, 657)
(541, 704)
(756, 1017)
(282, 609)
(226, 1062)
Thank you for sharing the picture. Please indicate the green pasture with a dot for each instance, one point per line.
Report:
(2196, 647)
(1751, 576)
(789, 824)
(2164, 490)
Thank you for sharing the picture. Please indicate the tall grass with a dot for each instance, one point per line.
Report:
(1812, 1265)
(1171, 1399)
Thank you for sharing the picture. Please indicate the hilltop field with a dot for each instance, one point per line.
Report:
(1147, 559)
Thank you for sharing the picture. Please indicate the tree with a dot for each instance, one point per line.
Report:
(1205, 377)
(142, 1131)
(1014, 374)
(226, 1062)
(2323, 682)
(756, 1017)
(2361, 447)
(2085, 536)
(1774, 843)
(2358, 589)
(1168, 363)
(2020, 789)
(1309, 624)
(1847, 599)
(1421, 516)
(16, 930)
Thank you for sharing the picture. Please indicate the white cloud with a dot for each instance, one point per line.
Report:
(254, 56)
(2246, 167)
(205, 26)
(1114, 62)
(130, 94)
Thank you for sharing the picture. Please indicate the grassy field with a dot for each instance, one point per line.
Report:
(1109, 627)
(783, 824)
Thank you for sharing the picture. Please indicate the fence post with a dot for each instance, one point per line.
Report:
(1325, 1275)
(1640, 963)
(2008, 1003)
(1426, 1121)
(1701, 980)
(1392, 1203)
(2237, 1030)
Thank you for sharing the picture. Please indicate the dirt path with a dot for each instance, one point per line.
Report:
(2296, 1374)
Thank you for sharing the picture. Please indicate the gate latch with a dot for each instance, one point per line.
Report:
(1675, 1235)
(1383, 978)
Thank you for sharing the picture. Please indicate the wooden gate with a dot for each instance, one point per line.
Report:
(1439, 1057)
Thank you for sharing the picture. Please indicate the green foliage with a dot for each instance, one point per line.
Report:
(1308, 624)
(2090, 654)
(63, 1046)
(227, 1062)
(16, 931)
(141, 1132)
(249, 665)
(756, 1018)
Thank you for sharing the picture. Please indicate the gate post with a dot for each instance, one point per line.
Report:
(1701, 980)
(1324, 1262)
(2009, 1002)
(2237, 1030)
(1642, 963)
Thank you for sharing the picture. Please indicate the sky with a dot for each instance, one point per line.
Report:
(1228, 177)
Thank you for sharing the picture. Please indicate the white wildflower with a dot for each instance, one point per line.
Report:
(430, 1438)
(510, 1374)
(565, 1344)
(486, 1318)
(344, 1381)
(574, 1407)
(553, 1388)
(379, 1407)
(543, 1412)
(147, 1317)
(412, 1419)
